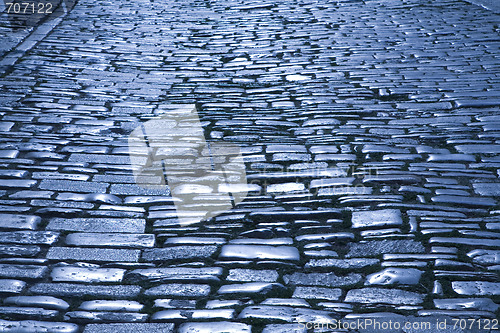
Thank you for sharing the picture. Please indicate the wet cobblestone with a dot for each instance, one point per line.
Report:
(370, 136)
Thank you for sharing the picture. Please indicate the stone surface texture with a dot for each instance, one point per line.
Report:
(370, 135)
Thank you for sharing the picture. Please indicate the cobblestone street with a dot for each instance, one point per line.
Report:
(370, 131)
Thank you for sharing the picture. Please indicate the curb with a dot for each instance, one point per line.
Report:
(33, 38)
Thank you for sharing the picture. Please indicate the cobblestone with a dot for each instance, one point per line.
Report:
(130, 327)
(11, 286)
(370, 137)
(93, 254)
(47, 302)
(97, 225)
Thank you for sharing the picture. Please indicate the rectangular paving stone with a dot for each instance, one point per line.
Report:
(391, 179)
(464, 201)
(105, 158)
(259, 252)
(312, 172)
(85, 149)
(175, 273)
(13, 206)
(93, 254)
(271, 216)
(478, 242)
(396, 119)
(216, 327)
(384, 296)
(250, 288)
(451, 158)
(284, 187)
(111, 305)
(11, 286)
(36, 326)
(88, 198)
(480, 103)
(346, 190)
(194, 240)
(80, 129)
(476, 288)
(285, 157)
(251, 275)
(285, 313)
(480, 304)
(86, 274)
(29, 237)
(5, 126)
(334, 157)
(175, 303)
(285, 328)
(478, 149)
(130, 179)
(321, 279)
(331, 182)
(81, 290)
(73, 186)
(357, 263)
(285, 149)
(254, 6)
(485, 257)
(179, 252)
(8, 153)
(98, 316)
(59, 176)
(111, 239)
(54, 204)
(104, 225)
(17, 183)
(383, 149)
(130, 327)
(421, 257)
(263, 241)
(31, 195)
(487, 189)
(375, 248)
(47, 302)
(19, 250)
(22, 271)
(27, 312)
(317, 293)
(179, 290)
(134, 189)
(15, 221)
(200, 314)
(377, 218)
(429, 120)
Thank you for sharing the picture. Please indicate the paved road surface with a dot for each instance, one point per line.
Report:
(371, 130)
